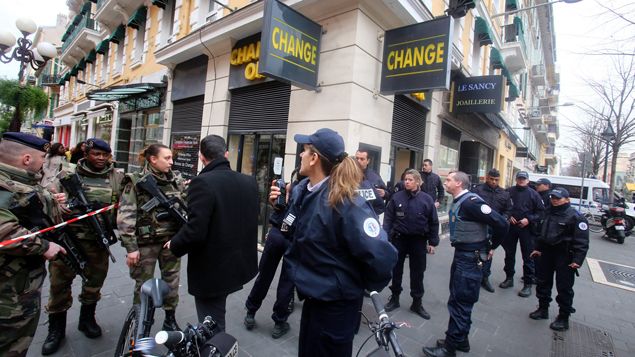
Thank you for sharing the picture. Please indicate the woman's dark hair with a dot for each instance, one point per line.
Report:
(151, 150)
(78, 147)
(54, 150)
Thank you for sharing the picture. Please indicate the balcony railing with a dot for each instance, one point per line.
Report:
(50, 80)
(85, 23)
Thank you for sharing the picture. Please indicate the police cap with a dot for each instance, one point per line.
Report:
(97, 144)
(30, 140)
(522, 175)
(328, 142)
(543, 181)
(559, 192)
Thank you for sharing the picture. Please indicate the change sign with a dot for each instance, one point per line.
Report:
(290, 46)
(417, 57)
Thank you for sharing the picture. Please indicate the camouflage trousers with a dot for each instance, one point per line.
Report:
(170, 267)
(61, 278)
(19, 311)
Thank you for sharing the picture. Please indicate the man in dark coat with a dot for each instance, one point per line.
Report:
(221, 233)
(432, 184)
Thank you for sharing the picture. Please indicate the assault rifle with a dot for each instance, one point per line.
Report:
(173, 206)
(32, 217)
(105, 237)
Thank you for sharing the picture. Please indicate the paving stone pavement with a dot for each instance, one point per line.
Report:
(500, 324)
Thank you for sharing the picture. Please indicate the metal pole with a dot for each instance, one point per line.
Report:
(582, 183)
(606, 160)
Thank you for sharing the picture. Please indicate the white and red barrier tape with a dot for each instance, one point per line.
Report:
(72, 220)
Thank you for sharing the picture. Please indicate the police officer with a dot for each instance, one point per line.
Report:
(470, 218)
(101, 183)
(498, 199)
(372, 188)
(338, 248)
(527, 209)
(413, 227)
(22, 270)
(561, 248)
(143, 234)
(543, 187)
(432, 184)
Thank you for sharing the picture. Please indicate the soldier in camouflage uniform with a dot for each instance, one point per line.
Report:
(21, 263)
(101, 183)
(143, 235)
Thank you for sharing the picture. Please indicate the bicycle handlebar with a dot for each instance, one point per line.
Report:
(386, 326)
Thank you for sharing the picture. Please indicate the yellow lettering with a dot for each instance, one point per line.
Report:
(390, 60)
(408, 60)
(283, 41)
(275, 36)
(251, 53)
(291, 46)
(440, 52)
(313, 54)
(399, 59)
(241, 55)
(258, 50)
(418, 56)
(430, 55)
(251, 71)
(233, 60)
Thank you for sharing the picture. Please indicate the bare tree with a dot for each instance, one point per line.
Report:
(588, 140)
(620, 16)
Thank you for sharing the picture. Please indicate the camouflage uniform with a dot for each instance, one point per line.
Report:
(143, 232)
(104, 188)
(22, 264)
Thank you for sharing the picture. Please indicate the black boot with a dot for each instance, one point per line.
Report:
(526, 291)
(561, 323)
(57, 332)
(280, 329)
(418, 309)
(508, 283)
(485, 284)
(250, 321)
(393, 303)
(542, 313)
(291, 306)
(463, 346)
(87, 323)
(169, 324)
(442, 351)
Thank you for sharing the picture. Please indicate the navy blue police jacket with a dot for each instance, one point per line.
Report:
(336, 253)
(564, 225)
(526, 203)
(412, 213)
(497, 198)
(475, 209)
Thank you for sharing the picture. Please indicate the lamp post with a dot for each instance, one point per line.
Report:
(24, 51)
(533, 7)
(608, 134)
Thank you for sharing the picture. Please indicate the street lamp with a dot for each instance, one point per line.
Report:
(608, 134)
(88, 84)
(533, 7)
(36, 57)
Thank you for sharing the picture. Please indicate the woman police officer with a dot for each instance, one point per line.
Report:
(338, 248)
(143, 234)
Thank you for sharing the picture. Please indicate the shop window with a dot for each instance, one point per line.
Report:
(448, 156)
(167, 23)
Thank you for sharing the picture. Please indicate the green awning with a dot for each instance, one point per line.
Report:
(118, 35)
(103, 46)
(74, 71)
(519, 25)
(92, 56)
(77, 19)
(138, 19)
(496, 59)
(86, 8)
(123, 92)
(513, 93)
(82, 64)
(482, 32)
(65, 35)
(511, 5)
(160, 3)
(93, 1)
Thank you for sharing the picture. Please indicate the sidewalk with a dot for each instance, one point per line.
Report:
(500, 326)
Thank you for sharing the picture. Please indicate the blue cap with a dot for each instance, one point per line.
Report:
(522, 174)
(559, 192)
(30, 140)
(543, 181)
(98, 144)
(328, 142)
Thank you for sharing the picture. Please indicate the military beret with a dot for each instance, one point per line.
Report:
(27, 139)
(98, 144)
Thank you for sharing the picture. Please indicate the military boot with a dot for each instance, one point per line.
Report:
(561, 323)
(169, 324)
(250, 321)
(57, 332)
(542, 313)
(87, 323)
(526, 291)
(291, 306)
(508, 283)
(393, 303)
(418, 309)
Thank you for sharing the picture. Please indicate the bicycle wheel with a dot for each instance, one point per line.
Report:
(595, 222)
(126, 342)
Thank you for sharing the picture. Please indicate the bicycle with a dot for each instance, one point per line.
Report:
(594, 219)
(383, 330)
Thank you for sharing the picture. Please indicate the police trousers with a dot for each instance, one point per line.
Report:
(327, 328)
(416, 249)
(526, 239)
(275, 247)
(555, 259)
(61, 278)
(465, 284)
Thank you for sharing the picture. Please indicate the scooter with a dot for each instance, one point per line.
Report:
(613, 222)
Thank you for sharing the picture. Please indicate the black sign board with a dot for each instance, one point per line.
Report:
(244, 63)
(477, 95)
(185, 152)
(290, 46)
(417, 57)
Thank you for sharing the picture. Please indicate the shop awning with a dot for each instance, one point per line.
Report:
(123, 91)
(519, 25)
(160, 3)
(138, 19)
(103, 46)
(93, 1)
(496, 59)
(91, 57)
(74, 71)
(82, 64)
(86, 8)
(67, 33)
(513, 92)
(77, 19)
(482, 32)
(511, 5)
(118, 35)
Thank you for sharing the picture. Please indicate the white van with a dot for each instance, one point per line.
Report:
(594, 194)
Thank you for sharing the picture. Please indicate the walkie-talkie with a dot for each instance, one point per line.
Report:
(281, 201)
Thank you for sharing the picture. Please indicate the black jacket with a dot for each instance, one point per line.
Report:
(497, 198)
(526, 203)
(412, 213)
(432, 185)
(564, 225)
(221, 234)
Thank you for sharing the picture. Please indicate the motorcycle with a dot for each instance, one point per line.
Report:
(614, 221)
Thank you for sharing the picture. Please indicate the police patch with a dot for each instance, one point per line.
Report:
(371, 227)
(583, 226)
(486, 209)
